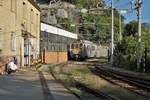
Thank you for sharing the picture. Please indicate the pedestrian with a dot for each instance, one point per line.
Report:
(15, 61)
(11, 67)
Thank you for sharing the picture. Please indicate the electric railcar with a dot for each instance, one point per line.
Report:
(82, 49)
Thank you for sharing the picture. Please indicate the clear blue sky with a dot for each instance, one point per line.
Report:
(132, 15)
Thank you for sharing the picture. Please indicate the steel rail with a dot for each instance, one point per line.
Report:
(144, 84)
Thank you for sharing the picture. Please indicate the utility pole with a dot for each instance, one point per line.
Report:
(112, 34)
(138, 8)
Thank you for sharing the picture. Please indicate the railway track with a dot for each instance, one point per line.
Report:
(102, 95)
(84, 87)
(136, 84)
(131, 82)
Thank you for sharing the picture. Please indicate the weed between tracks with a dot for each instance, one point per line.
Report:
(69, 74)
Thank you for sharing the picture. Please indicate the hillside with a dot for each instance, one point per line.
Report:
(93, 25)
(47, 1)
(146, 26)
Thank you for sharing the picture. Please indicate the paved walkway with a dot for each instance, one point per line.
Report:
(57, 90)
(26, 85)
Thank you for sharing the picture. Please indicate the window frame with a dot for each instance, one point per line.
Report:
(13, 5)
(1, 38)
(13, 41)
(24, 10)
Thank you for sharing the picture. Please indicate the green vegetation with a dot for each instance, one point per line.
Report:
(131, 28)
(66, 24)
(125, 53)
(89, 3)
(96, 24)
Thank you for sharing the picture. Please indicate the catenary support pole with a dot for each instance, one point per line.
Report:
(138, 8)
(112, 34)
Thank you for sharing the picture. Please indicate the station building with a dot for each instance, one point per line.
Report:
(19, 31)
(54, 43)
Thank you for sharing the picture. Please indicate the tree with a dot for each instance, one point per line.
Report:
(125, 53)
(90, 3)
(131, 28)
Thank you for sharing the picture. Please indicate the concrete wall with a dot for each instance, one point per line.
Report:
(54, 57)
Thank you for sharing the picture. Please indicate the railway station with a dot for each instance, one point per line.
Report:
(74, 50)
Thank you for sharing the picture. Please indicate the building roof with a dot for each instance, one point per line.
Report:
(58, 31)
(34, 4)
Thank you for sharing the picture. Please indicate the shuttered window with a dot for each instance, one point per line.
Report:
(24, 10)
(32, 15)
(1, 39)
(13, 41)
(13, 5)
(37, 24)
(31, 20)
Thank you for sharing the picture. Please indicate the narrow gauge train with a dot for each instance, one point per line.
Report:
(82, 49)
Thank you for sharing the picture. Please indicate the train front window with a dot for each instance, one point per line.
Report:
(80, 45)
(72, 46)
(76, 45)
